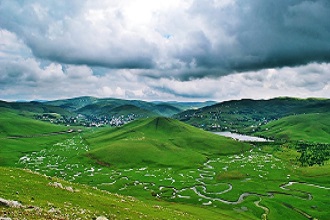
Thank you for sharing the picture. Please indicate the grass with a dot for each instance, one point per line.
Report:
(14, 124)
(176, 171)
(20, 135)
(13, 149)
(231, 175)
(44, 201)
(41, 200)
(318, 174)
(160, 141)
(247, 115)
(307, 127)
(259, 172)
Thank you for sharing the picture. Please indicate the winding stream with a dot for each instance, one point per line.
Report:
(201, 184)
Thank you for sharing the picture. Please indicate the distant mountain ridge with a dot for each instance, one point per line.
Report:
(247, 115)
(35, 107)
(87, 105)
(109, 106)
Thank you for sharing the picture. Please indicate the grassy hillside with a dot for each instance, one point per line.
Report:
(71, 201)
(103, 106)
(74, 103)
(164, 168)
(128, 109)
(160, 141)
(125, 107)
(115, 109)
(34, 107)
(247, 115)
(20, 135)
(308, 127)
(166, 110)
(188, 105)
(14, 124)
(176, 170)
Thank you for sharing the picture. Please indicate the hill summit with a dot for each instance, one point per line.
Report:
(159, 140)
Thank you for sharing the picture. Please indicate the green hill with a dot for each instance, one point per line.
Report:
(158, 141)
(308, 127)
(183, 106)
(114, 109)
(126, 107)
(131, 109)
(71, 201)
(12, 123)
(247, 115)
(34, 108)
(103, 106)
(87, 105)
(74, 103)
(20, 134)
(166, 109)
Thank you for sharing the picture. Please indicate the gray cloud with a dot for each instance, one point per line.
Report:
(266, 34)
(164, 49)
(64, 32)
(206, 37)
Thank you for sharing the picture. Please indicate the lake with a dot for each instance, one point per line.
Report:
(241, 137)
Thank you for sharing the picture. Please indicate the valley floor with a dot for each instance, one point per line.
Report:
(254, 184)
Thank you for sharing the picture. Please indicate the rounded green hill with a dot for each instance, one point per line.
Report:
(162, 141)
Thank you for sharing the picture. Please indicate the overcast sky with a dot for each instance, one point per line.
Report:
(164, 49)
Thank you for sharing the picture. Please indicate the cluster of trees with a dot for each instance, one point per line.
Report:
(312, 154)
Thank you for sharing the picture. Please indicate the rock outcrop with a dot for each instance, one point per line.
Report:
(10, 203)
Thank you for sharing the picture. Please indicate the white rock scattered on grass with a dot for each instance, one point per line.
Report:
(102, 218)
(56, 185)
(5, 218)
(60, 186)
(69, 188)
(53, 210)
(207, 203)
(10, 203)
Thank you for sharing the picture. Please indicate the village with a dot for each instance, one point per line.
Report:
(87, 121)
(233, 121)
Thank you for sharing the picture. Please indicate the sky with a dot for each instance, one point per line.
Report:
(191, 50)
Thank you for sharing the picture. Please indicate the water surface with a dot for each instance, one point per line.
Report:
(241, 137)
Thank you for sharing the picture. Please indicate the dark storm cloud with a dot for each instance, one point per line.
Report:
(265, 34)
(204, 39)
(92, 58)
(184, 94)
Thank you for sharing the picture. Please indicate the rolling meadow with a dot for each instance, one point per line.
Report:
(158, 167)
